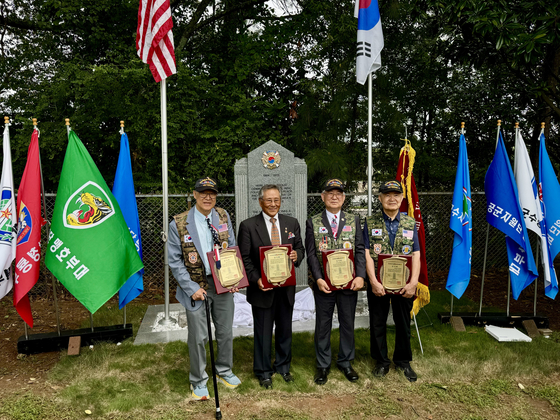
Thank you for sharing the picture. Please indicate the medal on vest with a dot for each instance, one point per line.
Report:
(323, 246)
(193, 257)
(406, 249)
(224, 245)
(377, 248)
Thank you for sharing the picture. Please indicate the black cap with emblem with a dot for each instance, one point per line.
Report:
(334, 184)
(205, 184)
(391, 186)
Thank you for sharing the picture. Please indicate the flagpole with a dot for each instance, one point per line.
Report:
(486, 245)
(163, 84)
(370, 165)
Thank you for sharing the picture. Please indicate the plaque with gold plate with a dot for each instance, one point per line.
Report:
(393, 271)
(338, 267)
(231, 273)
(277, 269)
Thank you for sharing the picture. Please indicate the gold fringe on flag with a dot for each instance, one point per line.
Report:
(406, 181)
(422, 298)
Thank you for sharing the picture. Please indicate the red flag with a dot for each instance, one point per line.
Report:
(154, 38)
(28, 251)
(411, 206)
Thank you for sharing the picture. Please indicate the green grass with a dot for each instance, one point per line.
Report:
(461, 376)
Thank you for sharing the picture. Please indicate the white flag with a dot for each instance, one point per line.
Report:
(529, 200)
(370, 38)
(7, 219)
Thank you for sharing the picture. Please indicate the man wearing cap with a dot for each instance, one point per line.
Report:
(191, 235)
(334, 229)
(270, 306)
(391, 232)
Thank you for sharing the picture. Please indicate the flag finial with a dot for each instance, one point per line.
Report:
(542, 126)
(499, 123)
(67, 121)
(7, 120)
(462, 125)
(122, 128)
(516, 125)
(34, 122)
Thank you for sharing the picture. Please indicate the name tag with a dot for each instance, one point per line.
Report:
(377, 232)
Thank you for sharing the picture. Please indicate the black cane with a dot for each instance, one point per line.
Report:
(218, 412)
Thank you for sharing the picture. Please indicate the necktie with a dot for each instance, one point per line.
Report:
(334, 227)
(216, 241)
(274, 234)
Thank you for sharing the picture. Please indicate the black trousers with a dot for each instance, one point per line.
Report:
(324, 306)
(279, 314)
(378, 312)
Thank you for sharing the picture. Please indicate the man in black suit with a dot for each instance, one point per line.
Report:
(334, 229)
(274, 305)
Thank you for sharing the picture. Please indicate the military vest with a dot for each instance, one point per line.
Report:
(379, 242)
(325, 240)
(191, 257)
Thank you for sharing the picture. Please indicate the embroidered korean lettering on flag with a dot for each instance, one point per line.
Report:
(505, 214)
(7, 219)
(123, 190)
(90, 249)
(370, 38)
(550, 206)
(531, 206)
(30, 221)
(460, 223)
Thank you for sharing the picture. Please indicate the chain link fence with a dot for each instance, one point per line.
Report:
(435, 209)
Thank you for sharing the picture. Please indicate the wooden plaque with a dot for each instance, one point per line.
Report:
(286, 277)
(232, 276)
(339, 283)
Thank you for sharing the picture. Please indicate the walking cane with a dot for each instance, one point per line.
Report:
(218, 412)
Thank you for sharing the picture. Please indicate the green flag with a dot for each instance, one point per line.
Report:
(91, 251)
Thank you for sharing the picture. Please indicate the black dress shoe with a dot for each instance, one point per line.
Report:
(286, 376)
(321, 376)
(408, 373)
(380, 371)
(265, 382)
(350, 373)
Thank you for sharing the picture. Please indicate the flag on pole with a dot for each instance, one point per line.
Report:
(411, 206)
(531, 206)
(370, 38)
(505, 214)
(461, 223)
(154, 38)
(7, 219)
(549, 194)
(30, 221)
(90, 249)
(123, 190)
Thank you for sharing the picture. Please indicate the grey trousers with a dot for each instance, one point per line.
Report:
(221, 310)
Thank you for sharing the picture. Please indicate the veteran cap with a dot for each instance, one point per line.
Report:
(204, 184)
(334, 184)
(390, 186)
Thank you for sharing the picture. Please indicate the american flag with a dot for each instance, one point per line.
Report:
(154, 39)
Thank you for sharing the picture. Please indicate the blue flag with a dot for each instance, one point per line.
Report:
(549, 194)
(123, 190)
(505, 214)
(461, 223)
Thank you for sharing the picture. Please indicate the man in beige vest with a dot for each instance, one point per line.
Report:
(191, 235)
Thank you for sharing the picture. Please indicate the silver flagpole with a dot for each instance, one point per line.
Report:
(370, 165)
(166, 320)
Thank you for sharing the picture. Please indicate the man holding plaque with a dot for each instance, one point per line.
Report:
(391, 232)
(191, 235)
(270, 305)
(334, 229)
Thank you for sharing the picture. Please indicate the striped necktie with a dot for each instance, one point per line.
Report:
(334, 227)
(274, 234)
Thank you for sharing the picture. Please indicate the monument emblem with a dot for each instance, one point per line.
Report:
(271, 159)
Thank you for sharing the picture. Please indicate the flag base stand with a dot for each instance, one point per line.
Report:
(499, 319)
(45, 342)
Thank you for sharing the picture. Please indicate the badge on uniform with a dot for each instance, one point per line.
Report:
(188, 238)
(222, 228)
(347, 229)
(291, 235)
(407, 234)
(323, 229)
(406, 249)
(377, 232)
(377, 248)
(347, 245)
(193, 257)
(323, 246)
(224, 245)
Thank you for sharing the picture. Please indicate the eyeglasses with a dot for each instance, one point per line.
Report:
(332, 194)
(211, 195)
(270, 201)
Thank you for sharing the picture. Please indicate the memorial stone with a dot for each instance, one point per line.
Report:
(272, 164)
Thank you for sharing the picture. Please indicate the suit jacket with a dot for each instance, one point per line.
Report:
(313, 262)
(187, 287)
(254, 234)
